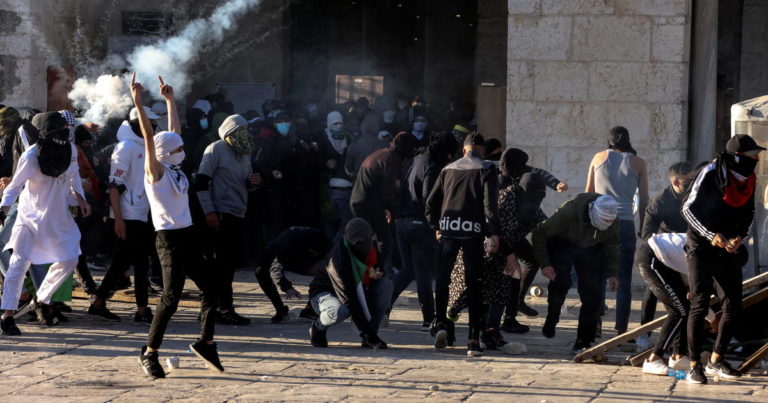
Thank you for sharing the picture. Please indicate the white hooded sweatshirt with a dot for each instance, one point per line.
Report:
(127, 168)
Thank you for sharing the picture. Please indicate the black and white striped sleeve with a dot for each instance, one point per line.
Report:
(695, 193)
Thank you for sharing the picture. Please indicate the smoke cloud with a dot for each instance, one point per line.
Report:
(107, 96)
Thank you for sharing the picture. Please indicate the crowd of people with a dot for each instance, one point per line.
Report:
(365, 199)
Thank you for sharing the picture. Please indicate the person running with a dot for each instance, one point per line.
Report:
(719, 210)
(462, 208)
(46, 182)
(167, 188)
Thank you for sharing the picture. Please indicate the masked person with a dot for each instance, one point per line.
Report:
(719, 210)
(47, 183)
(366, 145)
(582, 233)
(167, 187)
(419, 131)
(10, 122)
(223, 182)
(620, 173)
(351, 284)
(376, 193)
(129, 213)
(333, 149)
(463, 209)
(415, 239)
(663, 216)
(512, 166)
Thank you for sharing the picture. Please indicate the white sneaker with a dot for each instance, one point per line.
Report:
(682, 364)
(643, 343)
(513, 348)
(657, 367)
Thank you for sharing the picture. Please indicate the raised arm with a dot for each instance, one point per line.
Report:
(152, 167)
(174, 124)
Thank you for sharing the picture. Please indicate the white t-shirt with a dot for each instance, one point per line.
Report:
(169, 206)
(669, 248)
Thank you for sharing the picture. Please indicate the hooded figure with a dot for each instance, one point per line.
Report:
(10, 121)
(602, 212)
(335, 132)
(55, 148)
(360, 149)
(512, 164)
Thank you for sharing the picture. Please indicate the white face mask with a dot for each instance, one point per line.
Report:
(389, 117)
(172, 160)
(602, 212)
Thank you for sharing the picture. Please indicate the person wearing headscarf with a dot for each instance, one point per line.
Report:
(352, 283)
(333, 149)
(719, 209)
(167, 191)
(620, 173)
(582, 233)
(224, 180)
(376, 193)
(46, 183)
(415, 239)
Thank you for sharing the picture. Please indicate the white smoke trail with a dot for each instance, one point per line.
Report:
(108, 96)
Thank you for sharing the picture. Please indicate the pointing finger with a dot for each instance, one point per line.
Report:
(133, 79)
(161, 80)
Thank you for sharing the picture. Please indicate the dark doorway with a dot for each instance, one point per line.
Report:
(420, 47)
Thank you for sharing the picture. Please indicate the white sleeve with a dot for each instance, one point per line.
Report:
(73, 176)
(24, 171)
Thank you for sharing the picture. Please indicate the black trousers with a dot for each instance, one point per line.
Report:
(524, 252)
(473, 270)
(179, 254)
(230, 254)
(708, 265)
(590, 272)
(265, 280)
(648, 308)
(669, 287)
(376, 216)
(134, 251)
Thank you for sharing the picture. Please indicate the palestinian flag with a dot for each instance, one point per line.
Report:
(361, 274)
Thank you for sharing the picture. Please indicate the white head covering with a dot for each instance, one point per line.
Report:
(333, 118)
(134, 114)
(602, 212)
(203, 105)
(165, 142)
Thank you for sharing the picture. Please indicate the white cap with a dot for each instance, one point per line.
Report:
(135, 114)
(160, 108)
(203, 105)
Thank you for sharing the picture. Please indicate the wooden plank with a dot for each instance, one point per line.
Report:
(122, 297)
(609, 344)
(753, 359)
(755, 281)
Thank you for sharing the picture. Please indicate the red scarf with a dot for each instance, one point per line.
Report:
(737, 193)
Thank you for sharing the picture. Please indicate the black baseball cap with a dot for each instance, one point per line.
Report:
(474, 139)
(742, 143)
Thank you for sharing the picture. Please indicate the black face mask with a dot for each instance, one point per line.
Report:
(742, 165)
(55, 152)
(136, 127)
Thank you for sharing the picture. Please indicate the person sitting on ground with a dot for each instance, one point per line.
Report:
(582, 233)
(661, 262)
(300, 250)
(351, 284)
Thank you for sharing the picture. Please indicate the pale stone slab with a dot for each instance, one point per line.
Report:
(652, 7)
(611, 38)
(561, 81)
(577, 6)
(523, 6)
(649, 82)
(539, 38)
(669, 41)
(520, 80)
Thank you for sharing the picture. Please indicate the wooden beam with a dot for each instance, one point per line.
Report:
(753, 359)
(637, 359)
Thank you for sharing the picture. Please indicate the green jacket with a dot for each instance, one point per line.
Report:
(571, 222)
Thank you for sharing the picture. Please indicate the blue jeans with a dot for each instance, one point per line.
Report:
(331, 311)
(627, 245)
(418, 248)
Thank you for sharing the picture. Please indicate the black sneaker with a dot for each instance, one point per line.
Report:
(231, 317)
(696, 375)
(207, 352)
(43, 314)
(474, 349)
(59, 316)
(722, 369)
(440, 333)
(579, 347)
(280, 316)
(425, 326)
(548, 330)
(492, 339)
(308, 313)
(317, 337)
(143, 318)
(511, 325)
(102, 312)
(526, 310)
(8, 327)
(151, 364)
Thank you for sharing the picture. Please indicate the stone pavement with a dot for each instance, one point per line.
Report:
(89, 360)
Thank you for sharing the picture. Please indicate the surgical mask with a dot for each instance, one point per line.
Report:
(204, 124)
(419, 126)
(283, 128)
(173, 160)
(389, 117)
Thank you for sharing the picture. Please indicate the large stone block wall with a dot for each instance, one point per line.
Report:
(22, 82)
(576, 68)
